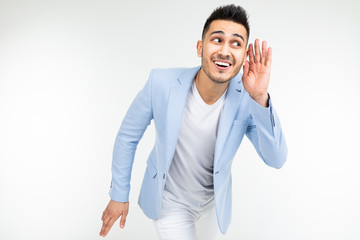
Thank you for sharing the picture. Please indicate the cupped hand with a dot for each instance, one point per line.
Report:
(256, 74)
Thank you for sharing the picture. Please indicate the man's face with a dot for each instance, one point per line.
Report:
(223, 50)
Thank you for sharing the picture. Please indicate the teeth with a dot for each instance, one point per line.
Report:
(223, 64)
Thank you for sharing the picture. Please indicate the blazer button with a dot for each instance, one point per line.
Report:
(164, 176)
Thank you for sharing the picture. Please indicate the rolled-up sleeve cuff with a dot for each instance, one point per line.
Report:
(118, 196)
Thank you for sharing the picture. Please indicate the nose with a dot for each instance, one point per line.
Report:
(224, 50)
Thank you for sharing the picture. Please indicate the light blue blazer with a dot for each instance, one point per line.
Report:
(163, 100)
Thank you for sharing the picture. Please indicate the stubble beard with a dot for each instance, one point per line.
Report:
(204, 66)
(214, 79)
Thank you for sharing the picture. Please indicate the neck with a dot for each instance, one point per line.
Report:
(209, 90)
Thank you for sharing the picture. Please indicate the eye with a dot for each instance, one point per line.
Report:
(236, 44)
(216, 40)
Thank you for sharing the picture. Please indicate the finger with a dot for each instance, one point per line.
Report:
(269, 57)
(123, 220)
(105, 213)
(251, 54)
(263, 50)
(257, 51)
(105, 221)
(107, 226)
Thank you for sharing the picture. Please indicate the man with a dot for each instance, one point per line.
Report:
(200, 115)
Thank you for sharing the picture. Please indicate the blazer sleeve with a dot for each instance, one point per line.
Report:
(137, 119)
(264, 131)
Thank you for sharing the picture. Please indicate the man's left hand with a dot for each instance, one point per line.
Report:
(256, 74)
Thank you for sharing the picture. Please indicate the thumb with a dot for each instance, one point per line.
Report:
(123, 220)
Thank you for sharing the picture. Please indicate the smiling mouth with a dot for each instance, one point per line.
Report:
(222, 65)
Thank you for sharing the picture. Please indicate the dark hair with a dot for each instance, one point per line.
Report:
(228, 12)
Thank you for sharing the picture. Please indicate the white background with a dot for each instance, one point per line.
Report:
(70, 69)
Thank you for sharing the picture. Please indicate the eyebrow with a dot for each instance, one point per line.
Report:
(222, 32)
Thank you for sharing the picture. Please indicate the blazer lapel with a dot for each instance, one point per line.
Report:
(175, 108)
(233, 98)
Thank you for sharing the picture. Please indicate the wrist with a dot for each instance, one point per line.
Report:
(262, 100)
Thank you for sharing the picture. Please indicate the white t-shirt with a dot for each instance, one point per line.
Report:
(190, 177)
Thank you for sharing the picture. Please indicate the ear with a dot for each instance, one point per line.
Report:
(246, 56)
(199, 48)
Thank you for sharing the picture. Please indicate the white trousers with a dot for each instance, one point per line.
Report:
(178, 222)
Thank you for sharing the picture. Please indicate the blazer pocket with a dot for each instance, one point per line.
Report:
(240, 122)
(151, 169)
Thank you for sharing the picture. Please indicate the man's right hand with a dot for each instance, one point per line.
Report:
(112, 212)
